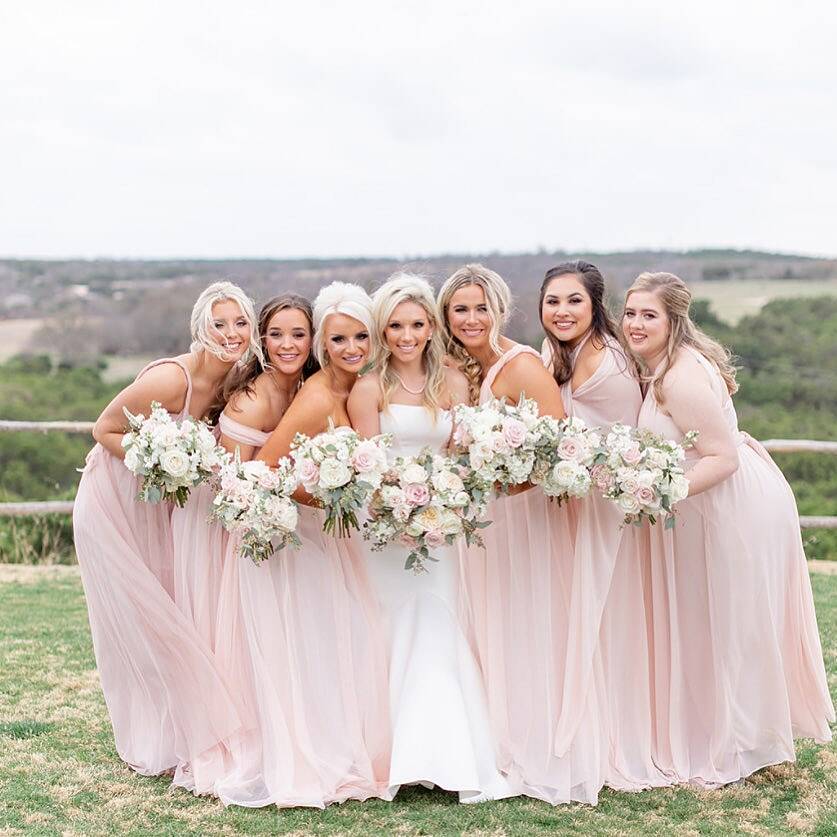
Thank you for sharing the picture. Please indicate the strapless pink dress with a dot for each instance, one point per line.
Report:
(299, 635)
(167, 700)
(528, 604)
(736, 658)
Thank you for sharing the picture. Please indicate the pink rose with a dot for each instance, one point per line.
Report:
(645, 496)
(408, 541)
(307, 471)
(434, 539)
(514, 432)
(632, 454)
(416, 494)
(602, 476)
(629, 485)
(569, 448)
(461, 436)
(499, 443)
(367, 457)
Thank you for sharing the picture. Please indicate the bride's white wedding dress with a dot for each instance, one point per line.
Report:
(441, 733)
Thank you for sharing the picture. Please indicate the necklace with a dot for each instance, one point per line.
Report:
(411, 391)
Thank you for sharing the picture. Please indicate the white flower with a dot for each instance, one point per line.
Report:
(132, 459)
(175, 463)
(413, 473)
(333, 474)
(628, 503)
(447, 481)
(679, 488)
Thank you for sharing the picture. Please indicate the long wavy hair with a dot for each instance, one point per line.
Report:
(408, 287)
(601, 327)
(676, 297)
(243, 378)
(499, 300)
(201, 322)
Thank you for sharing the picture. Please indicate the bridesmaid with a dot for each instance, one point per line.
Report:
(736, 657)
(299, 632)
(168, 703)
(441, 733)
(599, 385)
(520, 588)
(260, 393)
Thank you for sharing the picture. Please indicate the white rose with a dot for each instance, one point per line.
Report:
(447, 481)
(645, 479)
(284, 514)
(175, 463)
(628, 503)
(413, 473)
(333, 474)
(566, 472)
(461, 498)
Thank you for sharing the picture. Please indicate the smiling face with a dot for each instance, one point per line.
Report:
(567, 310)
(645, 324)
(407, 331)
(346, 342)
(468, 316)
(230, 329)
(287, 341)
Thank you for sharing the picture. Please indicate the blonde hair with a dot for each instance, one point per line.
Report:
(676, 297)
(339, 298)
(408, 287)
(499, 301)
(202, 325)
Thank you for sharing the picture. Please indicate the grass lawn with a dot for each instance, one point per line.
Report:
(59, 772)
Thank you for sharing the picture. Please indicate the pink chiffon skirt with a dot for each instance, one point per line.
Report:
(528, 611)
(736, 663)
(299, 635)
(167, 700)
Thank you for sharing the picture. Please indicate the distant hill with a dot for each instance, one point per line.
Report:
(135, 306)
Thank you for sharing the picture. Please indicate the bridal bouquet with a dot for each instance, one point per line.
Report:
(496, 442)
(254, 502)
(171, 457)
(566, 449)
(642, 473)
(340, 470)
(423, 504)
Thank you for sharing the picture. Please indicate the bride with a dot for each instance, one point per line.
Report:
(437, 702)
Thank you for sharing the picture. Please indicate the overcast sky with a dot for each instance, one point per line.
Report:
(165, 129)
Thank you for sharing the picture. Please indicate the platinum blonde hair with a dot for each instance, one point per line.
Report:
(202, 326)
(409, 287)
(339, 298)
(676, 298)
(499, 301)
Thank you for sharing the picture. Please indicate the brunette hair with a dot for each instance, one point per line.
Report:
(601, 327)
(243, 378)
(499, 301)
(676, 297)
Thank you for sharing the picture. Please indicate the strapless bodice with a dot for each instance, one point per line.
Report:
(412, 428)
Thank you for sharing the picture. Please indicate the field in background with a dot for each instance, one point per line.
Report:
(60, 774)
(736, 298)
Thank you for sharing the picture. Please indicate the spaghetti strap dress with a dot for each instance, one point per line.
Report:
(167, 700)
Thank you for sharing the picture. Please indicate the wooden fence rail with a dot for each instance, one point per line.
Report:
(26, 509)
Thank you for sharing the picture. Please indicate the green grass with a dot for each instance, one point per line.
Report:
(733, 299)
(59, 772)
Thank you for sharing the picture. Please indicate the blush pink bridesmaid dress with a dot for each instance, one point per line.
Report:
(610, 655)
(526, 605)
(737, 664)
(300, 637)
(167, 700)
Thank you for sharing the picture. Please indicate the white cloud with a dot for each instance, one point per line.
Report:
(260, 128)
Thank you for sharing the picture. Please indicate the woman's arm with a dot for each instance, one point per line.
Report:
(165, 383)
(364, 406)
(692, 405)
(526, 374)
